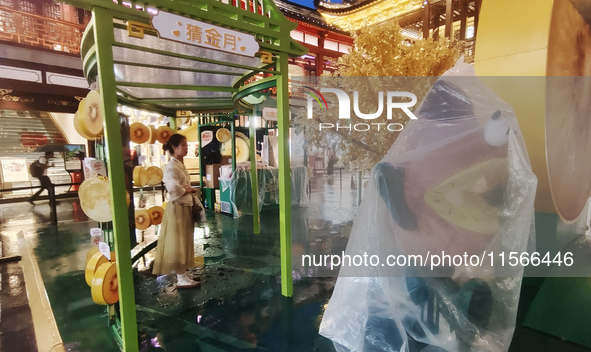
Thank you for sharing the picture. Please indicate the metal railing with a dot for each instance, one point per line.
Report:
(39, 31)
(52, 198)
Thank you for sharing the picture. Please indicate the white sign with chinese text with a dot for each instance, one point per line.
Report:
(186, 30)
(270, 114)
(94, 167)
(206, 138)
(96, 235)
(105, 249)
(14, 170)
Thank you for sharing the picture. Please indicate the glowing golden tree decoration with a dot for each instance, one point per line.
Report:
(380, 52)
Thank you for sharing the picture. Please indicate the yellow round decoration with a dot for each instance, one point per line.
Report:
(80, 123)
(139, 133)
(91, 252)
(242, 135)
(154, 175)
(156, 214)
(163, 133)
(140, 178)
(105, 288)
(91, 111)
(153, 134)
(95, 199)
(95, 261)
(142, 219)
(548, 41)
(78, 128)
(475, 214)
(242, 148)
(223, 135)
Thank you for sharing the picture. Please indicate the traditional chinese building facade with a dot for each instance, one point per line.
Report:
(453, 19)
(39, 47)
(325, 42)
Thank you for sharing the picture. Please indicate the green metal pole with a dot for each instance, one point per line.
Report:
(254, 179)
(201, 169)
(233, 148)
(103, 37)
(232, 129)
(284, 175)
(173, 125)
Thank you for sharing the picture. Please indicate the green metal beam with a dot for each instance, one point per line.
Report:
(211, 123)
(177, 86)
(233, 140)
(157, 103)
(186, 104)
(161, 67)
(254, 177)
(284, 176)
(192, 58)
(182, 100)
(171, 111)
(201, 169)
(241, 82)
(172, 123)
(152, 107)
(87, 41)
(89, 61)
(103, 36)
(253, 87)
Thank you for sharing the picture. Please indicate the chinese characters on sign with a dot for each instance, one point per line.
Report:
(206, 138)
(186, 30)
(14, 170)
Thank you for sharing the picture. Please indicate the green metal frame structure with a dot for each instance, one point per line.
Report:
(163, 76)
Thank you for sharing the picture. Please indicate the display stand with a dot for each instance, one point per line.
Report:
(136, 41)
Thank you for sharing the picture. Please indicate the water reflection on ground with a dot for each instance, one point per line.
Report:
(239, 305)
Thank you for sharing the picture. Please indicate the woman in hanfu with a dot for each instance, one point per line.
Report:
(175, 251)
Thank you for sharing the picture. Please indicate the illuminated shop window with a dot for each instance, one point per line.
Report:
(330, 45)
(470, 32)
(297, 35)
(311, 39)
(344, 48)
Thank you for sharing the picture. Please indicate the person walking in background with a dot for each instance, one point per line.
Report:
(175, 252)
(39, 170)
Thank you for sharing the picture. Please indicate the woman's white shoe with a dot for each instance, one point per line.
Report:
(184, 282)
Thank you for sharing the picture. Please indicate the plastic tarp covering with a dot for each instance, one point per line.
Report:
(457, 180)
(268, 180)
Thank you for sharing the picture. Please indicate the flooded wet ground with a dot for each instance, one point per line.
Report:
(239, 306)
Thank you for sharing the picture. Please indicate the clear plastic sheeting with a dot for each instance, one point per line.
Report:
(268, 179)
(457, 181)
